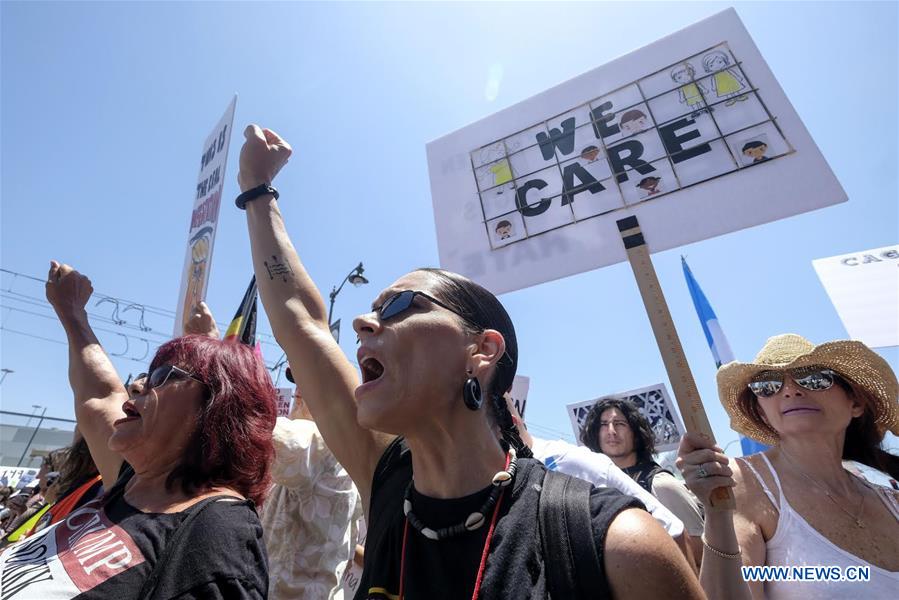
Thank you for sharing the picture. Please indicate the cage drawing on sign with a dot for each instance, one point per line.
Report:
(649, 138)
(579, 150)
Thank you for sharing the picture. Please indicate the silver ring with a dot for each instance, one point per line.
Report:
(702, 472)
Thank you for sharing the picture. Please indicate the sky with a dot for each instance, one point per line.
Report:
(104, 108)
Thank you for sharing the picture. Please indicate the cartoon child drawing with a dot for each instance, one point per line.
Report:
(502, 174)
(651, 185)
(590, 153)
(504, 230)
(755, 150)
(690, 92)
(727, 82)
(632, 121)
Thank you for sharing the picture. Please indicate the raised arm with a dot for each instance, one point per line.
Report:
(296, 310)
(99, 393)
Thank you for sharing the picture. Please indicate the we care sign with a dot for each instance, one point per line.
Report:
(692, 134)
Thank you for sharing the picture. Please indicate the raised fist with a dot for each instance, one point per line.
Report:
(261, 157)
(67, 290)
(201, 322)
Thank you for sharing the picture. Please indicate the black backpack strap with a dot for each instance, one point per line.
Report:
(149, 587)
(566, 529)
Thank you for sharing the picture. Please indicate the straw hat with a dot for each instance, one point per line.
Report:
(854, 361)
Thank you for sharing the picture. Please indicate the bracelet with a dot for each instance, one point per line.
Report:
(719, 553)
(253, 193)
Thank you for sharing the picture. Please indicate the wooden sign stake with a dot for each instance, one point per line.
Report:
(679, 374)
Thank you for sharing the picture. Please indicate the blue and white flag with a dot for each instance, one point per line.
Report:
(713, 334)
(717, 342)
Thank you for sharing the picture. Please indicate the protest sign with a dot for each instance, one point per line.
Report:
(16, 477)
(285, 399)
(519, 393)
(203, 219)
(864, 288)
(653, 402)
(691, 134)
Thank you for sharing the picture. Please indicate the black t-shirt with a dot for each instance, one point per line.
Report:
(644, 472)
(106, 549)
(448, 568)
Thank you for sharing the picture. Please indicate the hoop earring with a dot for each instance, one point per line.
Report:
(471, 393)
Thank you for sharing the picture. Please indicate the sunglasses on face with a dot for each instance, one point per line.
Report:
(402, 301)
(159, 376)
(814, 379)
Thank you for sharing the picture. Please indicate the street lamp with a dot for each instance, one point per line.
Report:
(5, 373)
(356, 278)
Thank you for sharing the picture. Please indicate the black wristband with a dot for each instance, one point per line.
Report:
(253, 193)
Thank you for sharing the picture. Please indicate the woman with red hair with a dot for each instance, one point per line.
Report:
(188, 447)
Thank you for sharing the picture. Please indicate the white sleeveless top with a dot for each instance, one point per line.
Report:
(796, 543)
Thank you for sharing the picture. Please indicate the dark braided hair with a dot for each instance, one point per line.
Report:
(480, 311)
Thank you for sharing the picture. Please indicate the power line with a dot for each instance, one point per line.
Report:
(43, 303)
(170, 314)
(31, 335)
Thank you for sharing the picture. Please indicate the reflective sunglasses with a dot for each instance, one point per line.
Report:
(402, 301)
(159, 376)
(814, 379)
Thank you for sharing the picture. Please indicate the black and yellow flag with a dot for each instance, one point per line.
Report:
(243, 326)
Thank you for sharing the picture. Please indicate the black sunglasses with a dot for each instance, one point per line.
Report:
(159, 376)
(814, 379)
(400, 302)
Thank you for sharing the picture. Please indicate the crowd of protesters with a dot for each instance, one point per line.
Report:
(184, 483)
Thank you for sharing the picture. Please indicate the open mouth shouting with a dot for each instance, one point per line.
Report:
(372, 369)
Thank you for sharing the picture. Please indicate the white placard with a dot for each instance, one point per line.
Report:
(653, 402)
(519, 393)
(864, 288)
(16, 477)
(204, 218)
(285, 401)
(692, 134)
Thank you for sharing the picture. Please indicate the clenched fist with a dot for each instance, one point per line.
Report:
(261, 157)
(67, 290)
(201, 322)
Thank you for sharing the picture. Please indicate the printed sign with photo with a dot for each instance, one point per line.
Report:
(669, 133)
(204, 218)
(653, 402)
(16, 477)
(864, 288)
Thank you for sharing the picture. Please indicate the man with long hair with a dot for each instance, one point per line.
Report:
(616, 428)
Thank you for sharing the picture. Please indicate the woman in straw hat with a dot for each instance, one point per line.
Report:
(796, 505)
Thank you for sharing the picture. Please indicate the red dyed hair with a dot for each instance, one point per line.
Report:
(232, 445)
